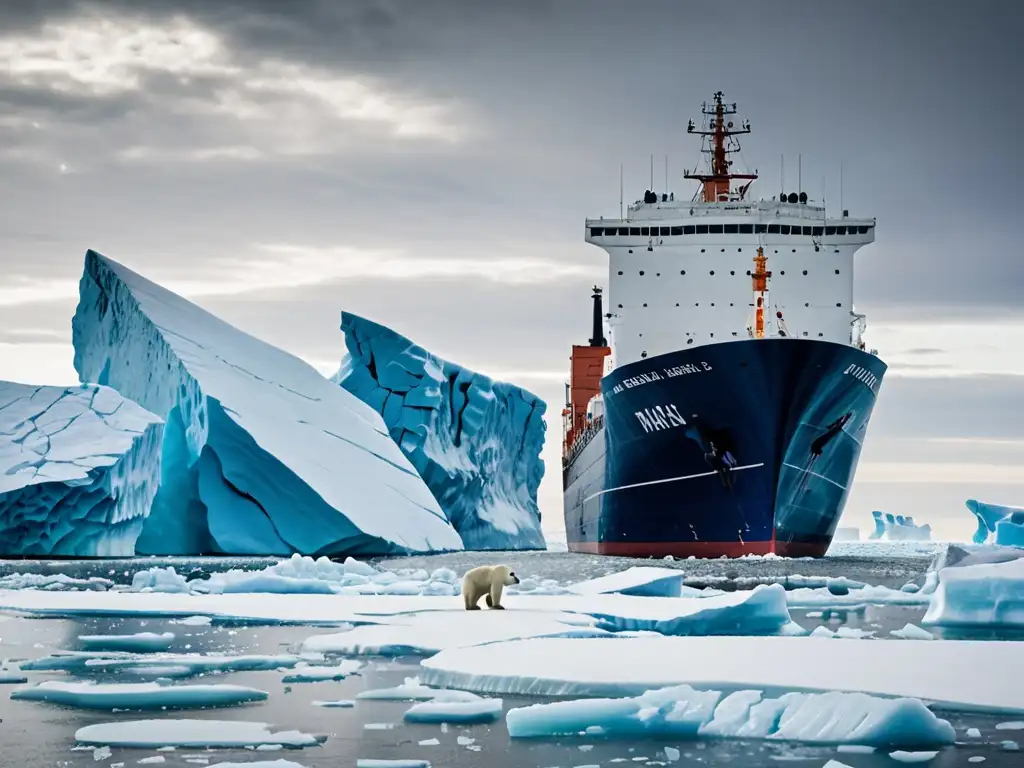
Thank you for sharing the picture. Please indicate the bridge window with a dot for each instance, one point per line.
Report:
(689, 230)
(863, 230)
(665, 231)
(714, 229)
(645, 231)
(634, 231)
(596, 231)
(807, 231)
(830, 231)
(817, 231)
(702, 229)
(773, 229)
(840, 230)
(746, 229)
(732, 229)
(677, 230)
(760, 228)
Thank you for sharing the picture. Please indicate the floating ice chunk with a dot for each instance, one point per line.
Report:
(429, 742)
(989, 516)
(973, 672)
(989, 594)
(973, 733)
(79, 469)
(336, 704)
(145, 734)
(159, 580)
(912, 632)
(682, 712)
(308, 674)
(462, 712)
(68, 661)
(186, 665)
(364, 762)
(912, 757)
(641, 581)
(1012, 725)
(413, 690)
(53, 581)
(11, 678)
(141, 642)
(1010, 746)
(259, 764)
(1010, 530)
(869, 595)
(138, 696)
(672, 754)
(154, 760)
(475, 442)
(891, 527)
(262, 454)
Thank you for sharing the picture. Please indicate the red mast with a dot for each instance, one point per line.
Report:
(716, 186)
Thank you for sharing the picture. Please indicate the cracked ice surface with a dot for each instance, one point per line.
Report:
(476, 442)
(261, 454)
(79, 468)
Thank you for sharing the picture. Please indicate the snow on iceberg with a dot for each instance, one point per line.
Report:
(79, 468)
(892, 527)
(136, 696)
(476, 442)
(989, 516)
(682, 712)
(644, 581)
(973, 672)
(147, 734)
(986, 594)
(261, 454)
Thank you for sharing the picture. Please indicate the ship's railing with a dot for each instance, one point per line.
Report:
(593, 427)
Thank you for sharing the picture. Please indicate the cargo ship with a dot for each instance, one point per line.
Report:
(720, 407)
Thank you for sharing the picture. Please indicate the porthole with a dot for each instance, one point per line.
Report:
(712, 303)
(696, 304)
(837, 271)
(677, 303)
(805, 271)
(794, 250)
(689, 341)
(776, 250)
(837, 250)
(645, 303)
(839, 304)
(748, 273)
(805, 333)
(782, 272)
(620, 306)
(641, 271)
(657, 274)
(821, 334)
(712, 335)
(734, 333)
(807, 304)
(643, 354)
(620, 271)
(712, 272)
(731, 304)
(682, 271)
(732, 271)
(702, 250)
(739, 250)
(630, 250)
(723, 250)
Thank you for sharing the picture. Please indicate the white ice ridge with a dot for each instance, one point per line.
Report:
(261, 454)
(682, 712)
(139, 642)
(974, 673)
(986, 594)
(147, 734)
(136, 696)
(79, 468)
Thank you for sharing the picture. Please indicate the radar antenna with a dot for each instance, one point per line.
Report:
(718, 142)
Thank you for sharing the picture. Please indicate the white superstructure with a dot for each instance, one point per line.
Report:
(680, 271)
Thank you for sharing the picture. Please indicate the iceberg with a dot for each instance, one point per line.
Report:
(682, 712)
(79, 469)
(226, 734)
(476, 442)
(989, 516)
(982, 595)
(892, 527)
(1010, 530)
(136, 696)
(261, 454)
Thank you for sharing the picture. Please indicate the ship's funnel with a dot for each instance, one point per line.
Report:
(598, 339)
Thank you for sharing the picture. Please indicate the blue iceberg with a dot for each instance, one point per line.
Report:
(79, 468)
(899, 528)
(475, 442)
(990, 517)
(261, 455)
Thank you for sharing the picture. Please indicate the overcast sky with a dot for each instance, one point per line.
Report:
(430, 165)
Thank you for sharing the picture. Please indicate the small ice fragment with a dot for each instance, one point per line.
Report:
(364, 762)
(464, 741)
(480, 711)
(429, 742)
(379, 726)
(585, 747)
(1012, 725)
(338, 703)
(912, 757)
(154, 760)
(671, 754)
(974, 733)
(855, 748)
(912, 632)
(1010, 746)
(976, 759)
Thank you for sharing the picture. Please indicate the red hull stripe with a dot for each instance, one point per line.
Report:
(705, 549)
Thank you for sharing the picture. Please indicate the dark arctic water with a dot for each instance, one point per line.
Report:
(37, 734)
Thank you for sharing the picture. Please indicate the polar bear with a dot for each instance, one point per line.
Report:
(487, 580)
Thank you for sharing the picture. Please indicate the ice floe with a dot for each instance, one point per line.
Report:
(987, 594)
(642, 581)
(366, 762)
(413, 690)
(973, 672)
(683, 712)
(314, 674)
(461, 712)
(136, 696)
(912, 632)
(147, 734)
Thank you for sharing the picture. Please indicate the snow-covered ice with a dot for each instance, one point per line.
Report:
(79, 469)
(140, 642)
(683, 712)
(11, 678)
(912, 632)
(137, 696)
(987, 594)
(336, 704)
(261, 454)
(643, 581)
(143, 734)
(305, 673)
(476, 442)
(460, 712)
(973, 672)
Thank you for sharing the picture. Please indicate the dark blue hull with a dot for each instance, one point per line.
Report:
(744, 447)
